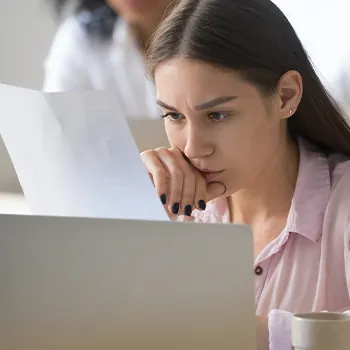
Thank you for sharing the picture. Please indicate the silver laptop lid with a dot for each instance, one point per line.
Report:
(96, 284)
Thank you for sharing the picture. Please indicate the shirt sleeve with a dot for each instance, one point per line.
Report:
(65, 67)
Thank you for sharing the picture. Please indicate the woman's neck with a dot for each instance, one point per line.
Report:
(271, 195)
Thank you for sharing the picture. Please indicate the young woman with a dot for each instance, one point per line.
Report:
(257, 140)
(98, 49)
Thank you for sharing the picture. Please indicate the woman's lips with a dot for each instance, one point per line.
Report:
(211, 176)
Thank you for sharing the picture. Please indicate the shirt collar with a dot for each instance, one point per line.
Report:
(311, 193)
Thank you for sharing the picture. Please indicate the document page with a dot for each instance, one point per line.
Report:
(75, 155)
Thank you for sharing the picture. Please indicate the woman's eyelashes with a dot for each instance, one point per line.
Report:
(218, 116)
(215, 117)
(173, 116)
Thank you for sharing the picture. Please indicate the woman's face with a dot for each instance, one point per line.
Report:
(220, 121)
(139, 10)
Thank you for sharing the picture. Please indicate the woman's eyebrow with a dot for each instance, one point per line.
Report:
(166, 106)
(215, 102)
(205, 105)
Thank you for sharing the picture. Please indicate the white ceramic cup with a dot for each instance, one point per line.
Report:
(321, 331)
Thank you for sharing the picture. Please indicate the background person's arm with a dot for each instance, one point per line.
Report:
(67, 65)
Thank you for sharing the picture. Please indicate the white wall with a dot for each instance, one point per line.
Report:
(27, 27)
(324, 29)
(26, 30)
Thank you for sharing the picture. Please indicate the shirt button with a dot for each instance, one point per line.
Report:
(258, 270)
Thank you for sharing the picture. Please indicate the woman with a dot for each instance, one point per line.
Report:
(96, 49)
(257, 140)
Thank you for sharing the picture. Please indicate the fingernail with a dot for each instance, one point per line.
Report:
(163, 199)
(202, 205)
(175, 208)
(188, 210)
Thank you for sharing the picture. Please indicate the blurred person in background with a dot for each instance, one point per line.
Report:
(101, 46)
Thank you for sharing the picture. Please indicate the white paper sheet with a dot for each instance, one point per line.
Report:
(75, 156)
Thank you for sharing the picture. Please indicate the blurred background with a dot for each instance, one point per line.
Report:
(26, 31)
(28, 27)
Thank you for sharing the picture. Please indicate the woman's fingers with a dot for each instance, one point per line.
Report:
(200, 193)
(179, 185)
(215, 190)
(200, 198)
(176, 175)
(189, 183)
(159, 175)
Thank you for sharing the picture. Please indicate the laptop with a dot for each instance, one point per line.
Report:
(96, 284)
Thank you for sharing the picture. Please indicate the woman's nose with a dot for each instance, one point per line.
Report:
(198, 144)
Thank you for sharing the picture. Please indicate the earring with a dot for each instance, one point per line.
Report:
(291, 111)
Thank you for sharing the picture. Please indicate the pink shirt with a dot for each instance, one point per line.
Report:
(307, 267)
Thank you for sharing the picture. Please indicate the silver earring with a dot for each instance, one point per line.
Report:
(291, 111)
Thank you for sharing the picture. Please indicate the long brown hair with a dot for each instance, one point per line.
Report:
(254, 38)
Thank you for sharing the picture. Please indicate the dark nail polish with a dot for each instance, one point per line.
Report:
(188, 210)
(202, 205)
(175, 208)
(163, 199)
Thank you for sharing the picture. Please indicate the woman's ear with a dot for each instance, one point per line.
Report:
(289, 92)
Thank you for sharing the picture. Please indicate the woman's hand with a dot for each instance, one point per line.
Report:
(180, 186)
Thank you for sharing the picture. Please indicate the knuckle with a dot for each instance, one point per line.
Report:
(161, 149)
(174, 150)
(174, 169)
(148, 157)
(147, 152)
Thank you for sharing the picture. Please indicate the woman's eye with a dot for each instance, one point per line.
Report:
(173, 116)
(217, 116)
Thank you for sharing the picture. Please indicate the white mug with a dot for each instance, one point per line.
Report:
(321, 331)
